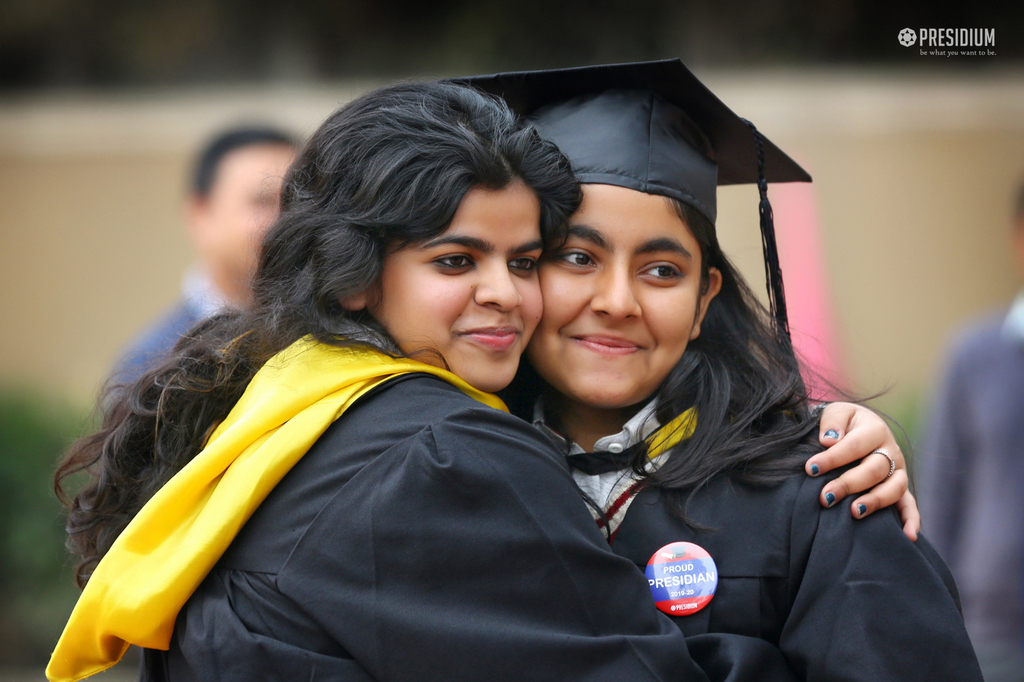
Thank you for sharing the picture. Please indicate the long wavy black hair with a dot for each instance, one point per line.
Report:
(387, 170)
(753, 418)
(754, 421)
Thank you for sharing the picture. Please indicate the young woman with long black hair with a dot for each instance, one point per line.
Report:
(678, 401)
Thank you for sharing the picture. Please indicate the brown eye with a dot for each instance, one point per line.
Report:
(454, 262)
(523, 265)
(663, 271)
(577, 258)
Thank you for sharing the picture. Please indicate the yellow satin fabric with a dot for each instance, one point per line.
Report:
(159, 560)
(669, 435)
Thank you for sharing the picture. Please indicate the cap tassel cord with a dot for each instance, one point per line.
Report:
(773, 271)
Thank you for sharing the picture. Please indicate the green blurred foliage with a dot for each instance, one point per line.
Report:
(906, 414)
(36, 588)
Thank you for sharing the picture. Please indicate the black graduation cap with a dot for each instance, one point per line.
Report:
(653, 127)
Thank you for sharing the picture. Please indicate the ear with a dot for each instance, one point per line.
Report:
(714, 286)
(355, 302)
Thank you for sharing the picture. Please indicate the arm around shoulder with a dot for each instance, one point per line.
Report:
(869, 604)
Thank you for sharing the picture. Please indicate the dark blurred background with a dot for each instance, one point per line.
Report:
(123, 42)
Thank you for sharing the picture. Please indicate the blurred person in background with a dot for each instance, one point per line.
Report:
(235, 195)
(972, 473)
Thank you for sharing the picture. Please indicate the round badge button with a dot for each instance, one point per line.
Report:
(683, 578)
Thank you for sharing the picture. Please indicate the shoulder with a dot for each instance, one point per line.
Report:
(808, 516)
(164, 331)
(421, 418)
(792, 513)
(156, 339)
(866, 596)
(414, 433)
(977, 340)
(981, 329)
(413, 403)
(872, 546)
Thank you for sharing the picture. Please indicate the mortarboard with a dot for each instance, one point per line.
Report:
(652, 127)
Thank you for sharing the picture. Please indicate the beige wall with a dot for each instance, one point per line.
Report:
(913, 182)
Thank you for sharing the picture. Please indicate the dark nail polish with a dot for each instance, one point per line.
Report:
(862, 509)
(832, 433)
(814, 470)
(830, 499)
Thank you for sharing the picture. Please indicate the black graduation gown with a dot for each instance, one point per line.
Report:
(843, 599)
(428, 537)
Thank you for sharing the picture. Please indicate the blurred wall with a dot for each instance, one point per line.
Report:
(914, 181)
(913, 185)
(91, 190)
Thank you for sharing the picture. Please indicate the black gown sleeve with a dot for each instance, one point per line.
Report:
(466, 553)
(869, 603)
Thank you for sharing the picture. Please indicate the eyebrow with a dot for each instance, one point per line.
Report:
(481, 245)
(474, 243)
(588, 234)
(660, 244)
(664, 244)
(535, 245)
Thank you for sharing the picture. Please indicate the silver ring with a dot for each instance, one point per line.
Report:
(892, 462)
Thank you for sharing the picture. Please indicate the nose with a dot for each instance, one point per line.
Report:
(613, 294)
(496, 287)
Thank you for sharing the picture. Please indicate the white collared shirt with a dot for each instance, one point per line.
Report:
(604, 489)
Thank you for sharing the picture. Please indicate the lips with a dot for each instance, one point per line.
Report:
(498, 339)
(607, 345)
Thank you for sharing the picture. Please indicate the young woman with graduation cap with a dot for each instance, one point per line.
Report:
(678, 400)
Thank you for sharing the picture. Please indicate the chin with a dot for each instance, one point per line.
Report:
(491, 382)
(605, 397)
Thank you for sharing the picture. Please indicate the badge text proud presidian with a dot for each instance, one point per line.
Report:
(683, 578)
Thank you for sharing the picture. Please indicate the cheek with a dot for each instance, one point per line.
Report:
(532, 306)
(564, 298)
(671, 322)
(445, 297)
(414, 302)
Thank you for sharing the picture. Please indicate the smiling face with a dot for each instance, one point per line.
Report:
(622, 298)
(470, 294)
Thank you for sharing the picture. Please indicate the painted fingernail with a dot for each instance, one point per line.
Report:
(832, 433)
(830, 499)
(862, 509)
(814, 470)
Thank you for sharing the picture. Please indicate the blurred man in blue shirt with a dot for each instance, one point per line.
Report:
(234, 196)
(973, 476)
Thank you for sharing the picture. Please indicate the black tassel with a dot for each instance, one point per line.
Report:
(772, 270)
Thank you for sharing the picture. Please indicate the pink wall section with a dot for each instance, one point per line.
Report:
(809, 304)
